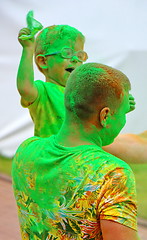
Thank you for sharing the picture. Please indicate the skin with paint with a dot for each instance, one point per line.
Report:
(132, 148)
(55, 68)
(97, 121)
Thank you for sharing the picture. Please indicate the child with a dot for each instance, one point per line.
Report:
(58, 51)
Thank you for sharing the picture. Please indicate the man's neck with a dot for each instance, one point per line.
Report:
(72, 135)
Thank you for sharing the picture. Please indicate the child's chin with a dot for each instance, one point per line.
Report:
(63, 84)
(65, 80)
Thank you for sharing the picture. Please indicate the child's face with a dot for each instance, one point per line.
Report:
(58, 67)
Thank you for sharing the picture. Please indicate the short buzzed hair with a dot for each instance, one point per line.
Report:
(93, 86)
(51, 37)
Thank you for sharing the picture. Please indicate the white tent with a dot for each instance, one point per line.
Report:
(116, 35)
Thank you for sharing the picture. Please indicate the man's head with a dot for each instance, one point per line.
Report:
(98, 95)
(53, 52)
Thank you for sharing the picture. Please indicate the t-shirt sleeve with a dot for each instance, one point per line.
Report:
(23, 153)
(24, 146)
(39, 86)
(118, 198)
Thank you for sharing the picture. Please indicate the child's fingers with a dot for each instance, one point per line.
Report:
(25, 38)
(132, 106)
(132, 102)
(24, 31)
(131, 97)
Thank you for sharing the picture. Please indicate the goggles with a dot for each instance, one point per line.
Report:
(69, 53)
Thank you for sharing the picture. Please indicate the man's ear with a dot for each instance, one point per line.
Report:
(104, 116)
(41, 61)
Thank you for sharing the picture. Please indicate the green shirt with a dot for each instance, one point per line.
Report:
(62, 193)
(47, 111)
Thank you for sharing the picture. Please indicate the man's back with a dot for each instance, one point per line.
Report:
(62, 193)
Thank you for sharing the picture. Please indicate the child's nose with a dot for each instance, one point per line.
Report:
(74, 59)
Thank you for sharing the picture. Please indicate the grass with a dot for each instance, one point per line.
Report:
(140, 171)
(5, 165)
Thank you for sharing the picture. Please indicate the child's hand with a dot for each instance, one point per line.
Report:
(23, 41)
(131, 102)
(33, 27)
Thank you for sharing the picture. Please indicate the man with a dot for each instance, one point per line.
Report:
(67, 186)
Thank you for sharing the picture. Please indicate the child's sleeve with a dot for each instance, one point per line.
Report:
(40, 89)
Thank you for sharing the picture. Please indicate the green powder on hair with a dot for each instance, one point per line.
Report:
(50, 38)
(92, 86)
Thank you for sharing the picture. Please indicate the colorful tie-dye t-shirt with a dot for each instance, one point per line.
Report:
(62, 193)
(47, 111)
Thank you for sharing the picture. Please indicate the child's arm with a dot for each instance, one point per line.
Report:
(25, 75)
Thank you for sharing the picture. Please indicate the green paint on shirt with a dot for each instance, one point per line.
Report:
(62, 193)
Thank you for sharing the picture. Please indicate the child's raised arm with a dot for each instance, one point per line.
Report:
(25, 75)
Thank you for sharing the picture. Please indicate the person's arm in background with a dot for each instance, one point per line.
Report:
(132, 148)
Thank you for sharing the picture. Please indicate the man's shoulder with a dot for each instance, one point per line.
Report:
(117, 161)
(113, 167)
(106, 159)
(32, 144)
(28, 142)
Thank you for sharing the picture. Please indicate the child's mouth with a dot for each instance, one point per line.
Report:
(69, 69)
